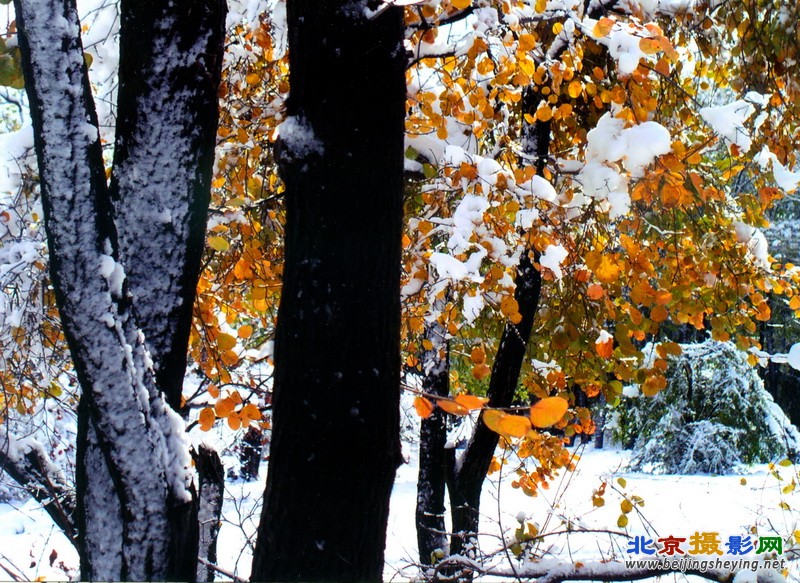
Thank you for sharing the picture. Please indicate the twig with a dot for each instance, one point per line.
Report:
(221, 570)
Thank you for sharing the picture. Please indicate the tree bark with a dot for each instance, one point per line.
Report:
(468, 473)
(430, 512)
(167, 116)
(211, 489)
(335, 441)
(135, 510)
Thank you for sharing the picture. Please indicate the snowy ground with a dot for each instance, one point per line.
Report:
(673, 505)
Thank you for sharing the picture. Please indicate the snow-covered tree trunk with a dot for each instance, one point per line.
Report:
(335, 441)
(135, 504)
(468, 472)
(430, 511)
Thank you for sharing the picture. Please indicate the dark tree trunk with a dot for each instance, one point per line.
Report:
(210, 493)
(430, 513)
(136, 512)
(250, 453)
(335, 442)
(468, 473)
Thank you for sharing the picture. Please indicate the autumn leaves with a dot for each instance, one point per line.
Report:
(544, 413)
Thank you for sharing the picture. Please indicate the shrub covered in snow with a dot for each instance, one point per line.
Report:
(713, 414)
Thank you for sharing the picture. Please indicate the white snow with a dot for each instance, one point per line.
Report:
(794, 356)
(552, 258)
(727, 121)
(299, 138)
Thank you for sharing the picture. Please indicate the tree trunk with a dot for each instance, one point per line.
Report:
(136, 513)
(468, 472)
(335, 442)
(167, 116)
(211, 488)
(250, 453)
(430, 513)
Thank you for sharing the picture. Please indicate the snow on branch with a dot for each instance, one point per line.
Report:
(558, 572)
(27, 463)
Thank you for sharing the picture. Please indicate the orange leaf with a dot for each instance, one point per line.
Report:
(548, 411)
(605, 349)
(659, 314)
(492, 418)
(594, 291)
(514, 425)
(452, 407)
(234, 422)
(224, 407)
(481, 371)
(250, 412)
(213, 390)
(245, 331)
(471, 402)
(423, 407)
(206, 419)
(478, 355)
(544, 113)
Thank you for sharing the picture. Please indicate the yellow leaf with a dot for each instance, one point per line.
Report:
(452, 407)
(548, 411)
(649, 46)
(508, 306)
(514, 425)
(622, 521)
(603, 27)
(541, 6)
(218, 243)
(225, 341)
(608, 270)
(526, 42)
(575, 89)
(460, 4)
(544, 113)
(626, 506)
(471, 402)
(423, 407)
(245, 331)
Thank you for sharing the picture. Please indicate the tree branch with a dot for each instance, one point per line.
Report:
(26, 462)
